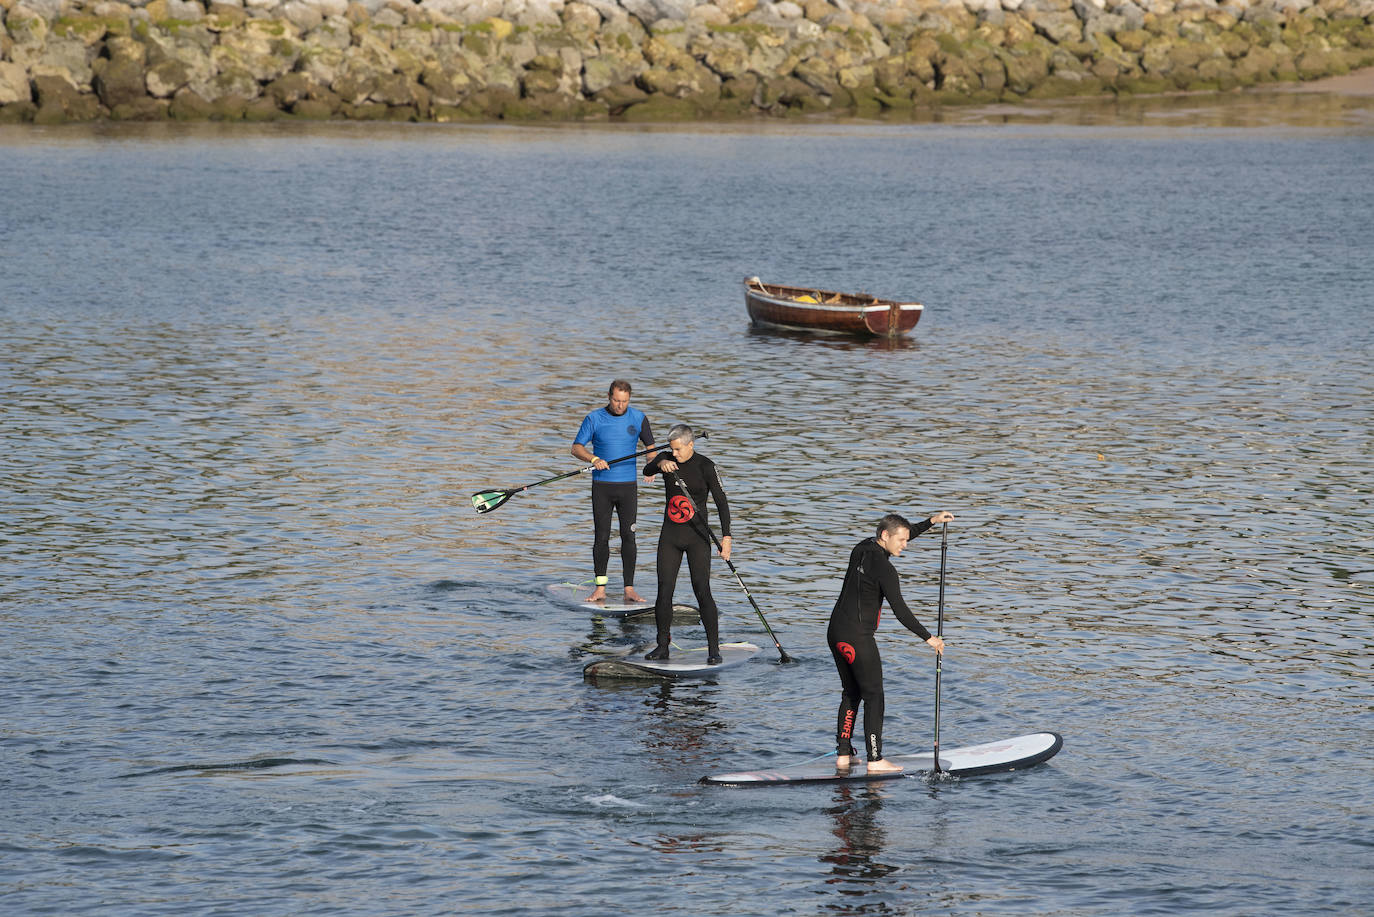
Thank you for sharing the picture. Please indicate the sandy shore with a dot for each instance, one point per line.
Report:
(1358, 83)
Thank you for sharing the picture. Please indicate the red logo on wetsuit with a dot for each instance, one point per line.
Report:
(680, 509)
(846, 651)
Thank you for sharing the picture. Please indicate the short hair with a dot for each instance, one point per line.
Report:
(618, 385)
(681, 431)
(891, 523)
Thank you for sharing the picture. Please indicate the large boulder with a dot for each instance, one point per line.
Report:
(14, 84)
(187, 105)
(119, 82)
(651, 11)
(163, 80)
(323, 65)
(448, 84)
(1058, 26)
(65, 55)
(59, 100)
(28, 29)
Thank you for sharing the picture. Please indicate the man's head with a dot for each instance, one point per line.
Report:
(618, 397)
(894, 531)
(682, 441)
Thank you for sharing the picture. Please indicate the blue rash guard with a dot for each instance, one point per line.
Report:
(611, 436)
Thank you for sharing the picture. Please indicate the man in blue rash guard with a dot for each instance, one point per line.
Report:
(609, 433)
(870, 579)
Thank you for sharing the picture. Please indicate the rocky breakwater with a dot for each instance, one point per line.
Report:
(450, 60)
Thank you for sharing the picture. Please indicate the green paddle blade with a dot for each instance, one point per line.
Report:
(487, 500)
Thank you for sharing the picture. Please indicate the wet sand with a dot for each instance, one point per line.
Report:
(1358, 83)
(1340, 102)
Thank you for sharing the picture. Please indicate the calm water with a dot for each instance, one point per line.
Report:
(260, 655)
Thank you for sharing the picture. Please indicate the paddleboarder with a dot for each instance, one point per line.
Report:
(613, 431)
(685, 516)
(869, 581)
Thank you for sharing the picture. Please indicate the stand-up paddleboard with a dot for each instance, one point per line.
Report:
(989, 758)
(575, 594)
(681, 664)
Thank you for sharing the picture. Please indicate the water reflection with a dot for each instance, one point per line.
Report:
(859, 863)
(841, 342)
(682, 725)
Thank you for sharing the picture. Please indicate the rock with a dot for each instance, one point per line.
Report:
(68, 55)
(233, 83)
(650, 11)
(447, 84)
(606, 71)
(17, 112)
(49, 10)
(580, 20)
(305, 16)
(188, 106)
(1058, 26)
(312, 110)
(708, 14)
(662, 109)
(121, 82)
(14, 84)
(89, 30)
(142, 109)
(27, 28)
(166, 78)
(261, 109)
(1027, 65)
(290, 88)
(227, 108)
(59, 100)
(1107, 23)
(736, 9)
(182, 11)
(332, 33)
(1133, 40)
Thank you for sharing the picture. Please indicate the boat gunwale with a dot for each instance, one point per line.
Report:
(760, 290)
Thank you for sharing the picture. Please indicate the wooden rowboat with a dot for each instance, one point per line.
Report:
(824, 310)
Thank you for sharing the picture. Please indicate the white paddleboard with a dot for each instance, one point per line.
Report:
(680, 664)
(575, 594)
(988, 758)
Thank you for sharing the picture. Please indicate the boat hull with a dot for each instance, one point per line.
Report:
(777, 306)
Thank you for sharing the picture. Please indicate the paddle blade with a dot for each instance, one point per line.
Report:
(487, 500)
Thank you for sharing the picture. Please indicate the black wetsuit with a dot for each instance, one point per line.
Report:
(690, 538)
(622, 499)
(870, 579)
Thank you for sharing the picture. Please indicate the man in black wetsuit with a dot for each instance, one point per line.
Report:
(685, 517)
(870, 579)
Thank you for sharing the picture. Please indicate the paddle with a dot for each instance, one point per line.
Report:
(484, 501)
(696, 514)
(940, 632)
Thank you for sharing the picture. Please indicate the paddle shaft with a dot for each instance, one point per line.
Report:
(499, 497)
(696, 512)
(585, 468)
(940, 632)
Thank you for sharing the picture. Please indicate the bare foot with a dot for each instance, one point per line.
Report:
(883, 766)
(598, 596)
(631, 595)
(842, 762)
